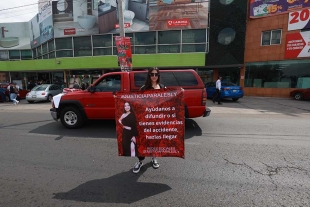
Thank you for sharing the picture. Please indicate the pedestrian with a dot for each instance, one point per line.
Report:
(76, 85)
(217, 97)
(13, 93)
(152, 82)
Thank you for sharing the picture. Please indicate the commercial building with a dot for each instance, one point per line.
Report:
(74, 40)
(277, 51)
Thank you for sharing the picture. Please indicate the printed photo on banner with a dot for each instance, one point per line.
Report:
(263, 8)
(150, 123)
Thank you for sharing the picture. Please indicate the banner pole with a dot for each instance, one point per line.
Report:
(121, 18)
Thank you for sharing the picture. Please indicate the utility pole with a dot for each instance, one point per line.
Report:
(121, 18)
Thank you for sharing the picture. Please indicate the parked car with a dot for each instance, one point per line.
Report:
(22, 92)
(228, 90)
(300, 94)
(43, 92)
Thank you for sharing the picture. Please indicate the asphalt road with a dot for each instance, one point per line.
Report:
(254, 152)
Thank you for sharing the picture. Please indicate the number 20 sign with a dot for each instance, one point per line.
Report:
(299, 20)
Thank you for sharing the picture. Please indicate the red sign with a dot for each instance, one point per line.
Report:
(126, 25)
(150, 123)
(123, 46)
(296, 45)
(70, 31)
(178, 23)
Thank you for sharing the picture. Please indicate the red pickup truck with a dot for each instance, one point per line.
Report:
(97, 102)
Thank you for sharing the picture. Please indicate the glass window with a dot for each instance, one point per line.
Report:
(278, 74)
(145, 38)
(26, 54)
(226, 36)
(14, 54)
(45, 56)
(168, 79)
(51, 55)
(168, 48)
(63, 43)
(81, 43)
(169, 37)
(51, 46)
(102, 51)
(44, 48)
(226, 2)
(186, 78)
(79, 53)
(58, 78)
(39, 50)
(34, 52)
(271, 37)
(109, 83)
(194, 36)
(194, 48)
(145, 49)
(102, 40)
(64, 53)
(139, 79)
(4, 55)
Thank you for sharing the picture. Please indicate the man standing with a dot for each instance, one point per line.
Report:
(217, 97)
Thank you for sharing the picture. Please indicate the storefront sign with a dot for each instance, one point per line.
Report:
(299, 20)
(264, 8)
(70, 31)
(178, 23)
(150, 123)
(123, 46)
(297, 45)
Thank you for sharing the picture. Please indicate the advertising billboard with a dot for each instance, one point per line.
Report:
(299, 20)
(297, 45)
(74, 18)
(14, 36)
(178, 14)
(41, 25)
(265, 8)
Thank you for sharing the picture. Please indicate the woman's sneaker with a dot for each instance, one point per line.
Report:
(155, 163)
(137, 167)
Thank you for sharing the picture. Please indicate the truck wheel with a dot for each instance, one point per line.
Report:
(71, 117)
(298, 96)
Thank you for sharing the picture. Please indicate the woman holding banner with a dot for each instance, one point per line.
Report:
(152, 82)
(128, 121)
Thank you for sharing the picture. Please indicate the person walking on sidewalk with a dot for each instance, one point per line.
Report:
(217, 97)
(152, 82)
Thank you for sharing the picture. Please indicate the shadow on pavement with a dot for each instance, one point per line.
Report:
(119, 188)
(102, 129)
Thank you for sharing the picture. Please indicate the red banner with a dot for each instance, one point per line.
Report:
(123, 46)
(150, 123)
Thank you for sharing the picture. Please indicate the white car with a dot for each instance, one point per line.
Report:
(43, 92)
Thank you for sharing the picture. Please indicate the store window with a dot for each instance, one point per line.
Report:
(63, 43)
(14, 54)
(34, 53)
(64, 53)
(26, 54)
(226, 2)
(168, 48)
(145, 38)
(145, 49)
(44, 48)
(278, 74)
(272, 37)
(4, 55)
(51, 55)
(39, 50)
(102, 40)
(169, 37)
(102, 51)
(51, 46)
(82, 46)
(194, 36)
(194, 48)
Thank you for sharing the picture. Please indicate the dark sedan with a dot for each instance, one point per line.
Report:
(300, 94)
(228, 90)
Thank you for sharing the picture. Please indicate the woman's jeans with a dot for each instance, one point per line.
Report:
(13, 97)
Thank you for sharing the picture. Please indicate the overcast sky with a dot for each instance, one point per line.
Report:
(22, 14)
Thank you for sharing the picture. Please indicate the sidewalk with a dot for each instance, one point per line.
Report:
(261, 105)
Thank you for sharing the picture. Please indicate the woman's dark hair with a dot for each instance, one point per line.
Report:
(148, 81)
(131, 111)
